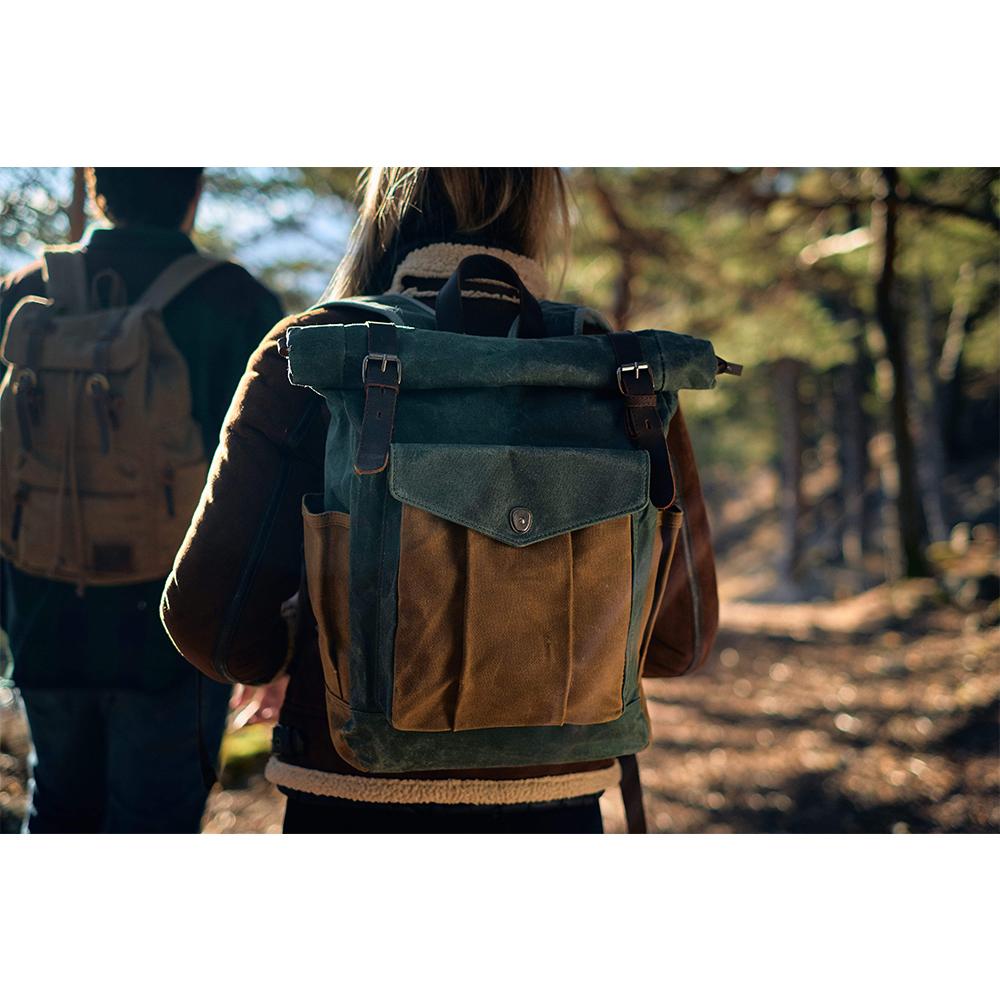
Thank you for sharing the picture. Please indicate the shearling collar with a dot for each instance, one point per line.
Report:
(423, 270)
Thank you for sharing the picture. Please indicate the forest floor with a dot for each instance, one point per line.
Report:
(888, 723)
(878, 712)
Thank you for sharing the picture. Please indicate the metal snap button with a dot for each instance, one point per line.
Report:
(520, 520)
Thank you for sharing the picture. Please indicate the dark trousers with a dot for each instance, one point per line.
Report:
(121, 761)
(321, 814)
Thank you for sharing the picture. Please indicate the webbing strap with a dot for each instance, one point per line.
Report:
(642, 419)
(66, 279)
(631, 788)
(381, 373)
(175, 278)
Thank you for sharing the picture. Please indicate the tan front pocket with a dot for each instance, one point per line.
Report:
(668, 526)
(328, 575)
(492, 635)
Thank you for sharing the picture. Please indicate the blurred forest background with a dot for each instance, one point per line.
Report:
(851, 474)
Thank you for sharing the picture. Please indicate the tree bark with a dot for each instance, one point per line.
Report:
(77, 210)
(849, 388)
(932, 465)
(911, 518)
(949, 366)
(788, 372)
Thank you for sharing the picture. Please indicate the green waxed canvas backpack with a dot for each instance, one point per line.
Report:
(487, 558)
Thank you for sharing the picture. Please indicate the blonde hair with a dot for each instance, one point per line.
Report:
(528, 204)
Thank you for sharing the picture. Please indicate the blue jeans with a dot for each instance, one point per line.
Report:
(121, 761)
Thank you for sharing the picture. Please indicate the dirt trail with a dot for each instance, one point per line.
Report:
(795, 726)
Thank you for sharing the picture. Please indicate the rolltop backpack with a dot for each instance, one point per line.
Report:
(102, 462)
(489, 553)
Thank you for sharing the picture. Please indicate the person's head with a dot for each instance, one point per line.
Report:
(164, 197)
(523, 209)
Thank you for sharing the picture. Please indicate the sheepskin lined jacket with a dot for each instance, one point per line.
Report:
(242, 561)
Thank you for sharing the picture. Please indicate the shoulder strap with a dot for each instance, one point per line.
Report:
(66, 278)
(175, 278)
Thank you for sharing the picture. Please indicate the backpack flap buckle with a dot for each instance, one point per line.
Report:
(381, 387)
(643, 423)
(384, 361)
(634, 368)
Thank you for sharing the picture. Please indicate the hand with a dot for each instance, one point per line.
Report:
(257, 704)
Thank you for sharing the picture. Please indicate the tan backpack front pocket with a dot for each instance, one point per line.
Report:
(327, 536)
(525, 622)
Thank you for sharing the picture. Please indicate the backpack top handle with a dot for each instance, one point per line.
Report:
(449, 311)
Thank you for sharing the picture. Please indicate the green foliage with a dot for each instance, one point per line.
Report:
(767, 263)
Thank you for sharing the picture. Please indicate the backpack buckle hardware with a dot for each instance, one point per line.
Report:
(386, 360)
(633, 368)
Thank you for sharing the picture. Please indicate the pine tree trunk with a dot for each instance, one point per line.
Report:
(911, 519)
(931, 463)
(788, 372)
(77, 210)
(949, 366)
(853, 442)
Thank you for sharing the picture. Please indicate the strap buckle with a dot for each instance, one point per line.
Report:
(385, 360)
(633, 368)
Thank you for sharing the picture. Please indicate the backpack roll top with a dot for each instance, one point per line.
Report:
(331, 357)
(102, 463)
(489, 554)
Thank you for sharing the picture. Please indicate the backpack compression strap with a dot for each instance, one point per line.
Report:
(631, 789)
(382, 374)
(642, 419)
(174, 278)
(66, 278)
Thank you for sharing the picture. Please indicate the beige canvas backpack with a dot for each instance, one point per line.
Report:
(102, 462)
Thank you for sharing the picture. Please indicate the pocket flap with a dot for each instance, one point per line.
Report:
(520, 496)
(37, 338)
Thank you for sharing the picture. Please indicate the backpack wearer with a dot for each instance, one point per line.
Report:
(487, 560)
(103, 463)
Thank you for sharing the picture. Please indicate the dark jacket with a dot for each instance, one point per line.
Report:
(111, 637)
(242, 559)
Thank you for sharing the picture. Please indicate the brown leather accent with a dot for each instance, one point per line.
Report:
(642, 419)
(540, 661)
(631, 788)
(382, 375)
(327, 540)
(685, 628)
(668, 525)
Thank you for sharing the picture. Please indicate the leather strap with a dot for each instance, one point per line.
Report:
(381, 373)
(174, 278)
(448, 304)
(631, 788)
(642, 419)
(66, 279)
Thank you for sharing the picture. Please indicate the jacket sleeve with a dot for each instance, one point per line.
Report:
(241, 557)
(688, 619)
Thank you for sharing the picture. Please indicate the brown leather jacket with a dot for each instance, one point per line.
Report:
(242, 559)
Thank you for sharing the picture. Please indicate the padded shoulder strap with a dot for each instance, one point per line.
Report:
(175, 278)
(66, 278)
